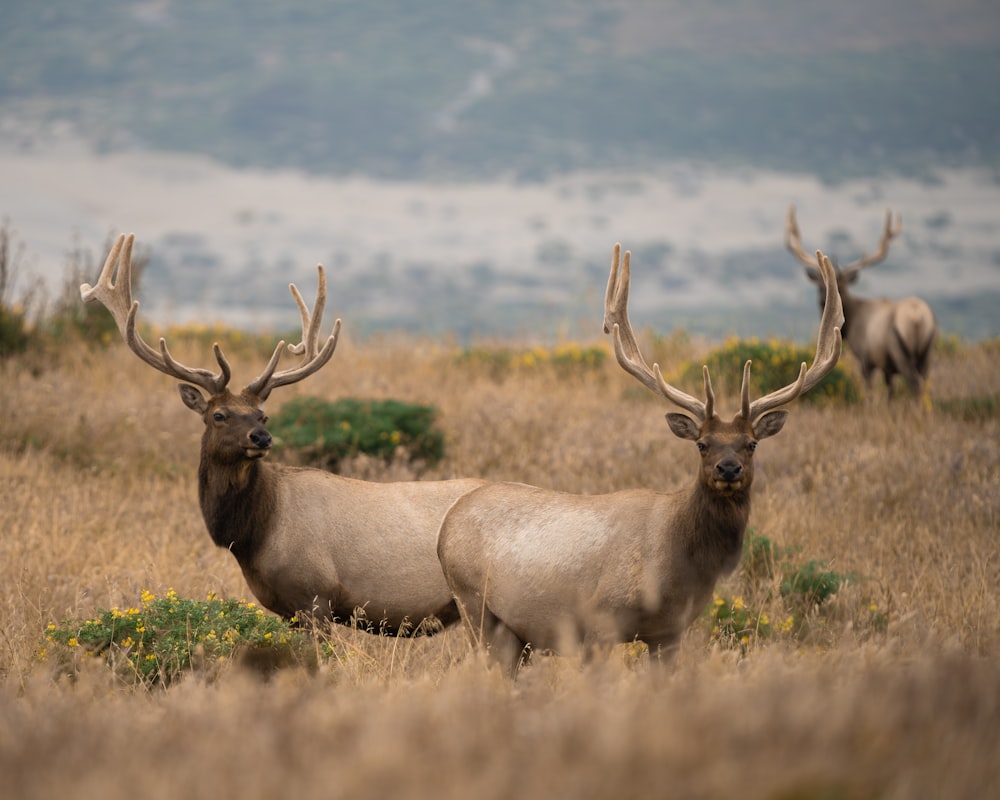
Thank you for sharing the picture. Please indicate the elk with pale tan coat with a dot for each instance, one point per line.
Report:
(535, 569)
(892, 336)
(309, 542)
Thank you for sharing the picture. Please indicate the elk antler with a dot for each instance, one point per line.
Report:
(314, 358)
(828, 347)
(616, 321)
(889, 232)
(793, 241)
(116, 297)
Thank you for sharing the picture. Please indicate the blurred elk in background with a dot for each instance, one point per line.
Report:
(892, 336)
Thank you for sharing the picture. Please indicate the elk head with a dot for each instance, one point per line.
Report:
(726, 447)
(845, 275)
(234, 423)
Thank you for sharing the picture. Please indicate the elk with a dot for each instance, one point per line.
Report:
(311, 544)
(894, 337)
(536, 569)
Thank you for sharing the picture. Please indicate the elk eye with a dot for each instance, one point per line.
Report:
(751, 446)
(218, 416)
(702, 447)
(263, 419)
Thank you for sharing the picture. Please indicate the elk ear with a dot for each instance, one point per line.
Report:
(814, 275)
(683, 426)
(769, 424)
(192, 398)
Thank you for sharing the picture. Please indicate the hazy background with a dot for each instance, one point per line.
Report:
(467, 167)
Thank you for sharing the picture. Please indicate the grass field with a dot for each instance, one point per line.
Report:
(890, 688)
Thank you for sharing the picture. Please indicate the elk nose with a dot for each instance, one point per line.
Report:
(729, 470)
(260, 438)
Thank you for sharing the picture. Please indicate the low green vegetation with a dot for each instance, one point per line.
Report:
(773, 579)
(162, 638)
(971, 409)
(566, 358)
(774, 364)
(323, 433)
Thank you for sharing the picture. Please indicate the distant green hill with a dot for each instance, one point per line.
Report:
(436, 88)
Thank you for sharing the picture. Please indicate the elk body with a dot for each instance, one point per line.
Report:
(893, 337)
(308, 541)
(545, 570)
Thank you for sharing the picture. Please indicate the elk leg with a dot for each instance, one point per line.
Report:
(505, 647)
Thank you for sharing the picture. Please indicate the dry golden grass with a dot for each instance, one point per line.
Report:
(98, 502)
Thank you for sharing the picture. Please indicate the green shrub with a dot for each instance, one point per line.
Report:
(156, 642)
(971, 409)
(804, 589)
(775, 365)
(14, 331)
(324, 433)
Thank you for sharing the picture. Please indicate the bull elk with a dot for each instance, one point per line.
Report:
(894, 337)
(535, 569)
(308, 542)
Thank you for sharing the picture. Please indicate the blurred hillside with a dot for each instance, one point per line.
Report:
(500, 87)
(466, 167)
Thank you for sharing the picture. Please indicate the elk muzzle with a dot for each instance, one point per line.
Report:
(729, 474)
(259, 442)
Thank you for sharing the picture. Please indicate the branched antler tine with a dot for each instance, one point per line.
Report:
(653, 380)
(115, 294)
(200, 377)
(745, 391)
(616, 306)
(793, 239)
(828, 347)
(308, 347)
(889, 232)
(709, 393)
(626, 347)
(701, 410)
(828, 340)
(311, 323)
(116, 297)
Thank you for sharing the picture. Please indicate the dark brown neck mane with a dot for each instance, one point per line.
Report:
(237, 501)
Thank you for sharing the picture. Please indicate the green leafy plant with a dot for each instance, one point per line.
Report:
(803, 588)
(155, 642)
(14, 331)
(775, 364)
(736, 624)
(324, 433)
(971, 409)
